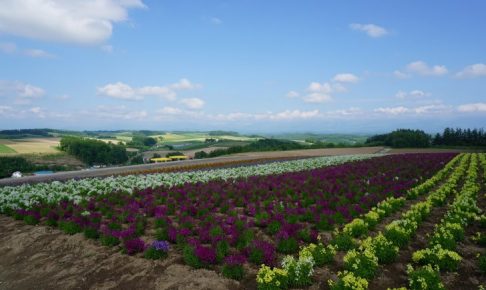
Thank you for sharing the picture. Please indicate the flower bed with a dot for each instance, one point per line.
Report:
(254, 219)
(25, 196)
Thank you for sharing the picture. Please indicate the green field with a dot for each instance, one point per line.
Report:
(4, 149)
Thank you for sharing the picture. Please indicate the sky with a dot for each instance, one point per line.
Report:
(249, 66)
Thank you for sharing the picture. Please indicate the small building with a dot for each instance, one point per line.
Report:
(160, 159)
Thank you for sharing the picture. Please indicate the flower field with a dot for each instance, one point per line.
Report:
(331, 222)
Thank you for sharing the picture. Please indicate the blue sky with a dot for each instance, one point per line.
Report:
(249, 66)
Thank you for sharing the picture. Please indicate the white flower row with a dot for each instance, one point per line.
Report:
(25, 196)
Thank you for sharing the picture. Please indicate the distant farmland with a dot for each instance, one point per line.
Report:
(4, 149)
(29, 146)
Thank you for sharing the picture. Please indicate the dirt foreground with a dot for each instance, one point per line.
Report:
(40, 257)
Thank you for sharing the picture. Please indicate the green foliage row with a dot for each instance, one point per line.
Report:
(401, 138)
(92, 151)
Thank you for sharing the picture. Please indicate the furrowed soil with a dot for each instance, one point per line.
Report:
(39, 257)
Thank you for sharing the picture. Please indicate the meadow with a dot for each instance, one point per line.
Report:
(343, 222)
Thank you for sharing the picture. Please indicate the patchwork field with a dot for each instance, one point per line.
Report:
(345, 222)
(31, 145)
(4, 149)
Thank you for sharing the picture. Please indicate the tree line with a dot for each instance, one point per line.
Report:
(93, 152)
(401, 138)
(460, 137)
(407, 138)
(263, 145)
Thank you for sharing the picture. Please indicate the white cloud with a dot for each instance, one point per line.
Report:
(107, 48)
(371, 30)
(293, 94)
(415, 94)
(472, 108)
(316, 87)
(216, 21)
(22, 93)
(6, 112)
(171, 113)
(8, 47)
(400, 75)
(123, 91)
(323, 92)
(292, 115)
(317, 98)
(420, 110)
(353, 111)
(422, 68)
(37, 111)
(193, 103)
(345, 78)
(392, 110)
(38, 53)
(84, 22)
(474, 70)
(119, 90)
(185, 84)
(163, 92)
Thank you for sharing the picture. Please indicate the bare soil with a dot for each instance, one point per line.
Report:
(39, 257)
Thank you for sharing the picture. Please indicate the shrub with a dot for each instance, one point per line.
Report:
(70, 227)
(109, 240)
(233, 267)
(222, 249)
(445, 259)
(273, 227)
(271, 279)
(261, 252)
(134, 246)
(384, 250)
(397, 233)
(207, 255)
(91, 233)
(343, 242)
(321, 254)
(157, 250)
(190, 257)
(300, 270)
(31, 220)
(426, 277)
(372, 218)
(480, 238)
(161, 234)
(348, 281)
(482, 263)
(362, 263)
(482, 221)
(288, 245)
(356, 228)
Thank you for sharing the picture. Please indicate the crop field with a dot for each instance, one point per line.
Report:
(344, 222)
(5, 149)
(188, 137)
(31, 145)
